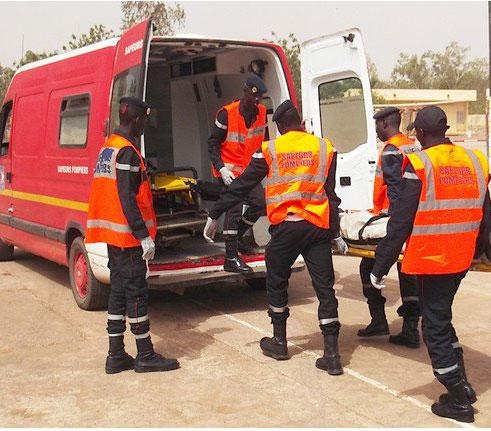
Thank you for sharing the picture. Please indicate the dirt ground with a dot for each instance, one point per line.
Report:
(52, 359)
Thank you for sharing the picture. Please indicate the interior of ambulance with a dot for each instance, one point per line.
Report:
(187, 82)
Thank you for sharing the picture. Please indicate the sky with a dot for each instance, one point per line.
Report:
(388, 28)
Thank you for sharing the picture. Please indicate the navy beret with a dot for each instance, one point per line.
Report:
(142, 106)
(256, 84)
(285, 106)
(385, 112)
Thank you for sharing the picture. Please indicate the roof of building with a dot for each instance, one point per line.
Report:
(416, 95)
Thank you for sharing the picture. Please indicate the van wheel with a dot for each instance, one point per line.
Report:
(256, 283)
(89, 293)
(6, 251)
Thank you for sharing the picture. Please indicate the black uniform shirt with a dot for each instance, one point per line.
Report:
(128, 179)
(256, 172)
(219, 132)
(401, 223)
(392, 173)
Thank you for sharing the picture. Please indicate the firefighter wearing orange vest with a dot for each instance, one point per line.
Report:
(387, 189)
(238, 132)
(442, 215)
(299, 171)
(121, 215)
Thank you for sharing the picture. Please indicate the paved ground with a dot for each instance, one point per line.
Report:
(52, 359)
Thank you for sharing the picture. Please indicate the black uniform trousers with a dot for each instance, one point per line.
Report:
(256, 208)
(408, 287)
(290, 239)
(436, 293)
(129, 292)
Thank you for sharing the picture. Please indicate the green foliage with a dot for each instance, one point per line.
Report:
(31, 56)
(6, 74)
(164, 16)
(97, 33)
(412, 71)
(291, 46)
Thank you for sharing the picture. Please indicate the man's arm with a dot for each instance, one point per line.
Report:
(482, 243)
(333, 198)
(392, 172)
(217, 137)
(128, 178)
(400, 223)
(240, 187)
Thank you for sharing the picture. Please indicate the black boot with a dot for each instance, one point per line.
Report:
(147, 360)
(455, 404)
(409, 335)
(117, 359)
(331, 361)
(233, 262)
(469, 390)
(276, 347)
(376, 306)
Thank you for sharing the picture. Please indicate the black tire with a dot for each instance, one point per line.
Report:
(89, 293)
(6, 251)
(256, 283)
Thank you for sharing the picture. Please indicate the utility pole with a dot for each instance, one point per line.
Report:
(22, 47)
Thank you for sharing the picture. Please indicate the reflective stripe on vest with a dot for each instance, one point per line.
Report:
(444, 233)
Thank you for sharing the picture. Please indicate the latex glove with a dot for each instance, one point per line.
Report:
(377, 282)
(148, 247)
(340, 245)
(210, 229)
(227, 176)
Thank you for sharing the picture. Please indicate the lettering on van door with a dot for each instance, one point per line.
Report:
(82, 170)
(135, 46)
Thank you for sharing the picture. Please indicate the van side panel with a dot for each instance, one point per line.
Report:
(51, 183)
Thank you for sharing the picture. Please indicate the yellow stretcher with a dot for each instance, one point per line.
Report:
(363, 252)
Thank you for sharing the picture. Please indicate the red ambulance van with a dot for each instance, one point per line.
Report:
(58, 112)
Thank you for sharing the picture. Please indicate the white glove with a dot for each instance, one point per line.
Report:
(227, 176)
(148, 247)
(377, 282)
(340, 245)
(210, 229)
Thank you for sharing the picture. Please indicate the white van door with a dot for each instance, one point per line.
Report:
(337, 104)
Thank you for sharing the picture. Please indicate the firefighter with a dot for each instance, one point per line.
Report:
(299, 171)
(238, 132)
(440, 214)
(386, 192)
(121, 214)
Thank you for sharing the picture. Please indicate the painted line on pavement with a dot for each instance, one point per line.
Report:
(349, 371)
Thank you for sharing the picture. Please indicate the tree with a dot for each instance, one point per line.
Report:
(6, 74)
(97, 33)
(449, 67)
(164, 17)
(291, 46)
(412, 71)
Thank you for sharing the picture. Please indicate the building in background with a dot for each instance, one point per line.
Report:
(455, 103)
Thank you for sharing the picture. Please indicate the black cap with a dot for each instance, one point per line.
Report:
(385, 112)
(142, 107)
(285, 106)
(256, 84)
(431, 119)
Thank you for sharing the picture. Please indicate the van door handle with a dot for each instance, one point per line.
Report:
(8, 176)
(371, 162)
(10, 209)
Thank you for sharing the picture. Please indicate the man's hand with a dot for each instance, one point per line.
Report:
(341, 246)
(227, 176)
(210, 229)
(148, 247)
(377, 282)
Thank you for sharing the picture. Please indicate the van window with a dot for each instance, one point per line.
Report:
(125, 85)
(6, 128)
(74, 121)
(342, 111)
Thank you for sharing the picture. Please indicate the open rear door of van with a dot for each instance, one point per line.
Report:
(130, 66)
(337, 104)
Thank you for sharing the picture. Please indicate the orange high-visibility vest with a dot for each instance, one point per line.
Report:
(299, 165)
(450, 209)
(404, 145)
(106, 221)
(241, 142)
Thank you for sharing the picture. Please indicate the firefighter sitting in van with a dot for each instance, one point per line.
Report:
(121, 214)
(236, 135)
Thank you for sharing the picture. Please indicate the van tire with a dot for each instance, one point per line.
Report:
(256, 283)
(6, 251)
(89, 293)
